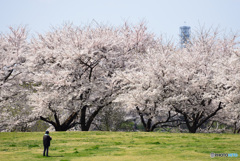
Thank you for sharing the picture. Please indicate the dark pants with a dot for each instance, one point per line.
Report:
(45, 150)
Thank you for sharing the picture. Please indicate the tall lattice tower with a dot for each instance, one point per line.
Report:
(185, 32)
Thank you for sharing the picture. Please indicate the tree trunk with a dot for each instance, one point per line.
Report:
(83, 118)
(238, 131)
(197, 120)
(67, 124)
(150, 126)
(192, 129)
(235, 128)
(147, 126)
(86, 124)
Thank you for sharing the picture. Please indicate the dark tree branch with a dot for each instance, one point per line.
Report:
(90, 65)
(70, 119)
(161, 122)
(94, 114)
(56, 119)
(55, 114)
(49, 121)
(210, 125)
(211, 115)
(238, 131)
(8, 75)
(73, 124)
(141, 116)
(197, 120)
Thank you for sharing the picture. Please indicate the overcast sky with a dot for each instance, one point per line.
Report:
(162, 16)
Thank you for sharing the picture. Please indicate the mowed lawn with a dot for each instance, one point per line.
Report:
(118, 146)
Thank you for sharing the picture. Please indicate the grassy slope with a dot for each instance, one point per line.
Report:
(117, 146)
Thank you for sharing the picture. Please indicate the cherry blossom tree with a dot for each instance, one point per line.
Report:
(73, 69)
(181, 82)
(149, 85)
(201, 93)
(13, 52)
(229, 76)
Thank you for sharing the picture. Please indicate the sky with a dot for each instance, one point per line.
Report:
(163, 17)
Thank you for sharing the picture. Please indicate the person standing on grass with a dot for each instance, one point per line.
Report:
(46, 142)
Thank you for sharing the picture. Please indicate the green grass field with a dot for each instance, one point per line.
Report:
(118, 146)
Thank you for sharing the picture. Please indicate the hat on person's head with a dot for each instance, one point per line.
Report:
(47, 132)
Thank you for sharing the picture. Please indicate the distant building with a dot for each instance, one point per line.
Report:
(185, 32)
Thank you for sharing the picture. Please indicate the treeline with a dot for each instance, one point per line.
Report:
(119, 79)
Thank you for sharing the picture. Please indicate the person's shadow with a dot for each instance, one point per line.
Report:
(55, 156)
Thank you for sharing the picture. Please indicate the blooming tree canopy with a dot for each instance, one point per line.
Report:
(187, 81)
(13, 52)
(73, 71)
(66, 76)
